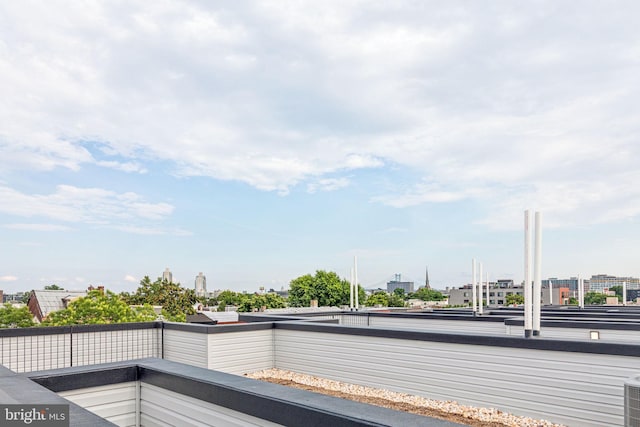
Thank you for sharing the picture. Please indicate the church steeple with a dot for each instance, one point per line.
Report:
(426, 280)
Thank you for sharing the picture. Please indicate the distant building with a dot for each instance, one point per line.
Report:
(399, 284)
(42, 303)
(600, 282)
(167, 276)
(201, 285)
(498, 292)
(571, 283)
(560, 295)
(14, 298)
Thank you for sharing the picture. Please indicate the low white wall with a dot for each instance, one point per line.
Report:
(186, 347)
(240, 352)
(577, 389)
(114, 402)
(160, 407)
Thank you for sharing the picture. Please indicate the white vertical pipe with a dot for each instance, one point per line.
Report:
(487, 290)
(537, 274)
(550, 292)
(580, 292)
(528, 320)
(355, 281)
(624, 293)
(473, 284)
(480, 286)
(351, 290)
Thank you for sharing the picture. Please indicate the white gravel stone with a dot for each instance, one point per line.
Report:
(451, 407)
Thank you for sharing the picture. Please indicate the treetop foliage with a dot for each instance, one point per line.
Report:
(175, 300)
(99, 307)
(12, 317)
(326, 287)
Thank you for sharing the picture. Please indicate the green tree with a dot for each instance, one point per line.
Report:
(399, 292)
(379, 298)
(53, 287)
(257, 301)
(175, 300)
(326, 287)
(514, 299)
(231, 298)
(595, 298)
(99, 307)
(426, 294)
(12, 317)
(394, 300)
(573, 301)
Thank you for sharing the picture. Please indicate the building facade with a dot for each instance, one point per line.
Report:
(167, 276)
(396, 284)
(600, 282)
(201, 285)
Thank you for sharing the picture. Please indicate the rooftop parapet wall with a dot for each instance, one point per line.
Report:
(170, 391)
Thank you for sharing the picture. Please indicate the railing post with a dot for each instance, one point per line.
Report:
(71, 345)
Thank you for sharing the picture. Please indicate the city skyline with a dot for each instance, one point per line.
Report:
(260, 142)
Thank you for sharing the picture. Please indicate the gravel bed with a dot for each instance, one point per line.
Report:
(449, 410)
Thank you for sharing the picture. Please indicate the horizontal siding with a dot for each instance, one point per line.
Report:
(572, 388)
(241, 352)
(582, 334)
(438, 325)
(114, 402)
(186, 347)
(160, 407)
(35, 352)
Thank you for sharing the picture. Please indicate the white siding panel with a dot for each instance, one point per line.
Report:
(241, 352)
(114, 402)
(582, 334)
(438, 325)
(186, 347)
(161, 407)
(577, 389)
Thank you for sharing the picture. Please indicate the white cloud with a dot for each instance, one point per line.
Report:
(327, 184)
(38, 227)
(8, 278)
(152, 231)
(87, 205)
(485, 102)
(130, 278)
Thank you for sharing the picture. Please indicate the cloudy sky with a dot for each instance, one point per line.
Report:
(259, 141)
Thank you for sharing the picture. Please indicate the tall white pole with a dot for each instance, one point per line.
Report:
(580, 292)
(473, 284)
(537, 274)
(550, 292)
(351, 291)
(355, 281)
(480, 286)
(487, 290)
(528, 320)
(624, 293)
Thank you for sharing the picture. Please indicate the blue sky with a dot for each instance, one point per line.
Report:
(260, 141)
